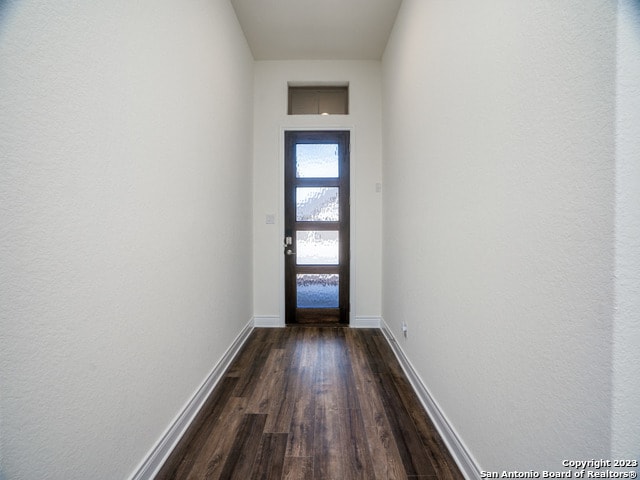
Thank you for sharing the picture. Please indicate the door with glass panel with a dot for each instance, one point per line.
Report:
(316, 237)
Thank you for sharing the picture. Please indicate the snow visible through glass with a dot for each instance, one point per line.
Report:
(317, 160)
(317, 204)
(317, 247)
(317, 291)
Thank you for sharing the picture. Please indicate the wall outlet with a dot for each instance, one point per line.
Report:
(405, 329)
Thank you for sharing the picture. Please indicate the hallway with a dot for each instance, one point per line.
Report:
(493, 226)
(312, 403)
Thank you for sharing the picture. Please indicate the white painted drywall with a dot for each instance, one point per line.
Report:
(125, 229)
(499, 171)
(626, 378)
(270, 122)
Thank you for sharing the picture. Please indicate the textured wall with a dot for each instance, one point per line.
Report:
(125, 224)
(364, 120)
(626, 380)
(499, 121)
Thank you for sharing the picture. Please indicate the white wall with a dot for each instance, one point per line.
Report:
(125, 231)
(270, 121)
(499, 171)
(626, 383)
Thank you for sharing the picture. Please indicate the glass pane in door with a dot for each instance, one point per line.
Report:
(317, 204)
(317, 290)
(317, 160)
(317, 247)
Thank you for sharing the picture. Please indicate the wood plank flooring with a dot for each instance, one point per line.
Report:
(312, 403)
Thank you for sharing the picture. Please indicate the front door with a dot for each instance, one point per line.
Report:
(316, 237)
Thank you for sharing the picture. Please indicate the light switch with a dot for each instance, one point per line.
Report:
(270, 219)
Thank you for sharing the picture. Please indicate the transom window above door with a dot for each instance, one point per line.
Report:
(318, 100)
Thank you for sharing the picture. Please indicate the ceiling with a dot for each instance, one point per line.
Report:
(316, 29)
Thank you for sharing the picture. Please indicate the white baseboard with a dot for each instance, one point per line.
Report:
(458, 450)
(161, 451)
(268, 321)
(274, 321)
(365, 322)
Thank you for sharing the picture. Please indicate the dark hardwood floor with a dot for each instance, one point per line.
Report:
(312, 403)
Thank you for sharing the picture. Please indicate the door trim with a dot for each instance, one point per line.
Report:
(280, 223)
(293, 228)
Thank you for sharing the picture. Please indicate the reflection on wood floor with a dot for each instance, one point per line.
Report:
(324, 403)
